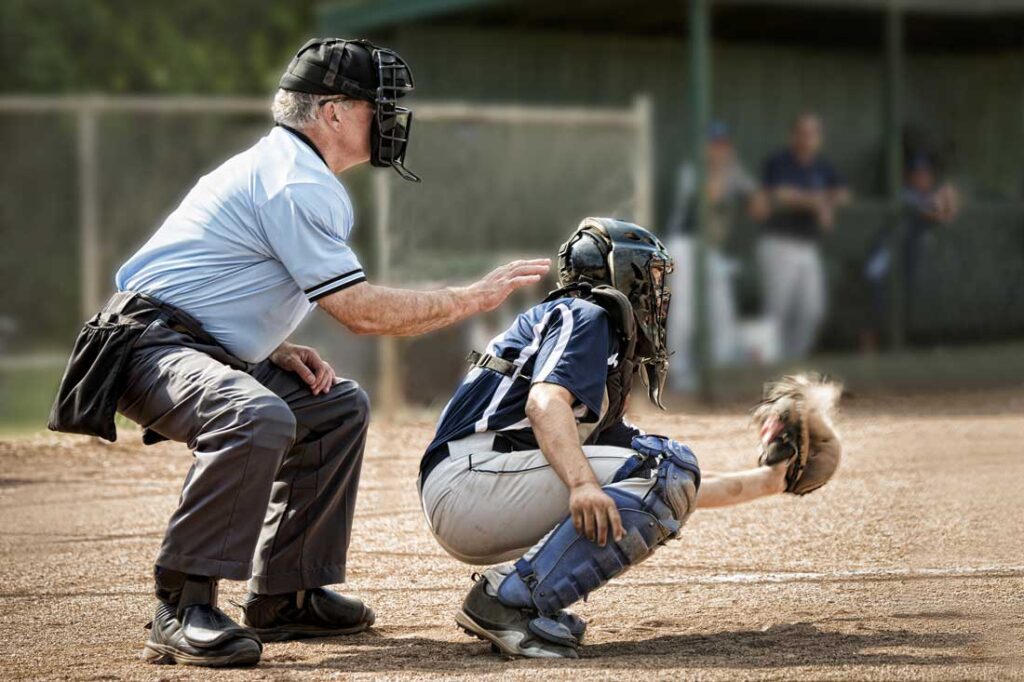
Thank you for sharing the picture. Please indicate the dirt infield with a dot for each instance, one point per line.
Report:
(909, 566)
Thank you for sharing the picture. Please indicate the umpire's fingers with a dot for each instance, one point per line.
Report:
(323, 373)
(528, 268)
(523, 281)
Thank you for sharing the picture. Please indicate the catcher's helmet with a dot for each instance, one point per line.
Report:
(633, 261)
(360, 70)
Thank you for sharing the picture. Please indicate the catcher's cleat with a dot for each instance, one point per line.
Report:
(189, 629)
(308, 613)
(513, 631)
(576, 625)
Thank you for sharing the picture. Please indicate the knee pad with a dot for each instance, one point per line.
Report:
(568, 566)
(678, 477)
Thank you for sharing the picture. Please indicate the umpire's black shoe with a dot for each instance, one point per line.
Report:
(189, 628)
(308, 613)
(513, 631)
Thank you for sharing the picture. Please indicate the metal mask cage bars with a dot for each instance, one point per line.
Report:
(394, 80)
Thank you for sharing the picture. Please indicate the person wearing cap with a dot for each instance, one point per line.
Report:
(194, 348)
(731, 192)
(928, 203)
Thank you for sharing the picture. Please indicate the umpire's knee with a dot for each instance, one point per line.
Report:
(362, 405)
(355, 406)
(345, 411)
(273, 422)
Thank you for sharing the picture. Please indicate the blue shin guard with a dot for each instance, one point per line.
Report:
(568, 566)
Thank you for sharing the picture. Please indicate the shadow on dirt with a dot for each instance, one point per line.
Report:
(780, 646)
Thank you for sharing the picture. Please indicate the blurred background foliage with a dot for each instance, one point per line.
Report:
(485, 195)
(127, 46)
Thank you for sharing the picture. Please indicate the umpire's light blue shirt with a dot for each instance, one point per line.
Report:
(252, 246)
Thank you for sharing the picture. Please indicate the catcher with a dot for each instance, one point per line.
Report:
(533, 461)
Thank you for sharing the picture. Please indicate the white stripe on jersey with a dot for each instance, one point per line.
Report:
(524, 356)
(563, 340)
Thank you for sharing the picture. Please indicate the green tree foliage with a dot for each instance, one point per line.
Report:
(149, 46)
(48, 47)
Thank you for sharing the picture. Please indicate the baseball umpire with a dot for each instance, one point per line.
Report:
(533, 460)
(193, 348)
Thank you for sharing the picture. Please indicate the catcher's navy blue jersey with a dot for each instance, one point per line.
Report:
(568, 341)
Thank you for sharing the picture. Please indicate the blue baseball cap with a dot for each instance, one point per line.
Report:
(718, 131)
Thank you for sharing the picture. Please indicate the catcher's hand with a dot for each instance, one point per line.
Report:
(795, 421)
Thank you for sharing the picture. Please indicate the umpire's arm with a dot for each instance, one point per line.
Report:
(369, 309)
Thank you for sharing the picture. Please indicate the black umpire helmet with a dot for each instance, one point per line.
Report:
(360, 70)
(630, 259)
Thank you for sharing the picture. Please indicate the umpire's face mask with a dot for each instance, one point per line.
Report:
(389, 133)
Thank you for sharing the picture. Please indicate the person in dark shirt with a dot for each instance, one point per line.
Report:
(803, 190)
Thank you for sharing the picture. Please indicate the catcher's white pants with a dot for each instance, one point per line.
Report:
(793, 288)
(486, 507)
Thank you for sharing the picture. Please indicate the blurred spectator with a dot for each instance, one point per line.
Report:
(803, 191)
(926, 203)
(729, 190)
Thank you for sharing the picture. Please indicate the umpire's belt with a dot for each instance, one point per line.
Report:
(94, 378)
(145, 309)
(478, 442)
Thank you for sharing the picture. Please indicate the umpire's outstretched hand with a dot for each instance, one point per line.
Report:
(491, 291)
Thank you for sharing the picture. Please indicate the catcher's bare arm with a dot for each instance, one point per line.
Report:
(723, 490)
(549, 409)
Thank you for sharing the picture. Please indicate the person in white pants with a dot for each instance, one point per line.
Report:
(730, 191)
(793, 282)
(533, 460)
(804, 191)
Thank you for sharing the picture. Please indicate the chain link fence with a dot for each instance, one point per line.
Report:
(87, 180)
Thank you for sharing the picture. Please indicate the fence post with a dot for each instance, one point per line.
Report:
(88, 208)
(700, 105)
(894, 165)
(389, 374)
(644, 170)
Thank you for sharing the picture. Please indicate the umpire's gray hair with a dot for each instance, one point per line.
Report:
(295, 109)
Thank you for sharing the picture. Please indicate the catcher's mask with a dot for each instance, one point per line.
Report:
(632, 260)
(360, 70)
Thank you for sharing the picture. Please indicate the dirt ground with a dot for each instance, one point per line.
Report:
(910, 565)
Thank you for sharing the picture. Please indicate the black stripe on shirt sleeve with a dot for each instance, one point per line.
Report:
(343, 284)
(332, 280)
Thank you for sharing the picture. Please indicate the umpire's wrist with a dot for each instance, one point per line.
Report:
(467, 303)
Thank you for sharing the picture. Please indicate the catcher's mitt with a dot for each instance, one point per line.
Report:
(795, 420)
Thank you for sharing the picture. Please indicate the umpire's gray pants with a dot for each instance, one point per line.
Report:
(272, 489)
